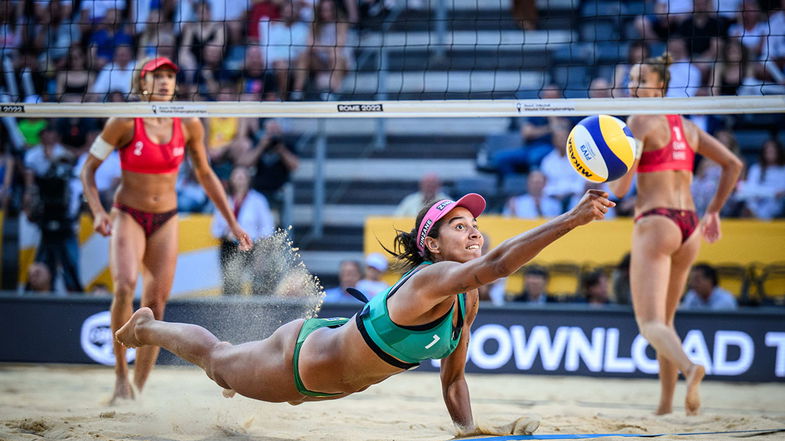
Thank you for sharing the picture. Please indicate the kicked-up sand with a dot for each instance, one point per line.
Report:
(68, 402)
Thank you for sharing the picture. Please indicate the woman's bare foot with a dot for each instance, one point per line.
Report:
(122, 391)
(126, 335)
(694, 376)
(663, 409)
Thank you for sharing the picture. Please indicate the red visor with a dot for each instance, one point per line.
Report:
(157, 63)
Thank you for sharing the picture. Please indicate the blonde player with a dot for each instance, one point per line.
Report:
(663, 243)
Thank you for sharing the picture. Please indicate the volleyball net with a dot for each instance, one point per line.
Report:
(391, 58)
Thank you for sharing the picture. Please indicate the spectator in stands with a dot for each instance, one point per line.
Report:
(7, 169)
(685, 76)
(667, 16)
(636, 53)
(525, 14)
(534, 204)
(75, 79)
(430, 191)
(227, 138)
(620, 280)
(707, 175)
(275, 159)
(774, 49)
(108, 36)
(703, 31)
(372, 283)
(349, 274)
(39, 278)
(763, 190)
(199, 35)
(260, 10)
(600, 88)
(157, 39)
(10, 31)
(750, 28)
(54, 32)
(257, 83)
(209, 75)
(731, 70)
(48, 198)
(536, 132)
(329, 54)
(253, 213)
(285, 41)
(704, 292)
(562, 183)
(115, 76)
(535, 284)
(594, 288)
(94, 11)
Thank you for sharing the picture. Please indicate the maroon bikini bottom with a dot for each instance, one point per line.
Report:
(150, 222)
(686, 220)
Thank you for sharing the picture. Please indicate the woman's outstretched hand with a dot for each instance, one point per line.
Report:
(592, 206)
(525, 425)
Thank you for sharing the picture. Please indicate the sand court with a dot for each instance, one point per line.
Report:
(181, 403)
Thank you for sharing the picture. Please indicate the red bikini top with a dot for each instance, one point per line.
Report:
(142, 155)
(676, 155)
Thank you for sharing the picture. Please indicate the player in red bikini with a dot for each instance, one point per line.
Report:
(663, 243)
(143, 221)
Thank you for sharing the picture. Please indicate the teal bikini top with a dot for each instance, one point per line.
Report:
(410, 344)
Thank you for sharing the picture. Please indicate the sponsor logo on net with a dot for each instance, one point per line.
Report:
(360, 108)
(12, 108)
(97, 339)
(168, 109)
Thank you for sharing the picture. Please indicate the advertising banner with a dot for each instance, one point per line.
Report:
(747, 345)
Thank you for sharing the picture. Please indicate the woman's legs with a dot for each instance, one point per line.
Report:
(681, 264)
(159, 263)
(656, 289)
(261, 370)
(126, 250)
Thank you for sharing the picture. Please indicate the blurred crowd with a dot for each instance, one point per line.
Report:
(85, 50)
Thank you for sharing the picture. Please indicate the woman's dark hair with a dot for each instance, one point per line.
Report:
(778, 161)
(661, 65)
(590, 279)
(318, 22)
(405, 245)
(708, 272)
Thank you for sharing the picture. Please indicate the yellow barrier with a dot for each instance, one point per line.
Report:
(744, 242)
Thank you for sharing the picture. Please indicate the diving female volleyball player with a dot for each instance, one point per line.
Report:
(663, 243)
(143, 220)
(427, 314)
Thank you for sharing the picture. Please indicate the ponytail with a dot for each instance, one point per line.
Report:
(405, 244)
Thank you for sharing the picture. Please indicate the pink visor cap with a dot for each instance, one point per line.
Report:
(157, 63)
(472, 202)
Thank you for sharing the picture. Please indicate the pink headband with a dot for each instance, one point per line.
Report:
(472, 201)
